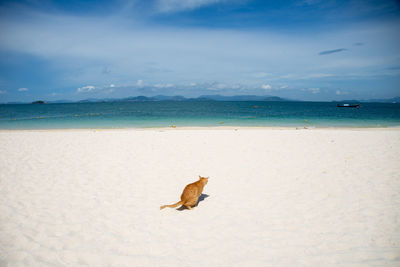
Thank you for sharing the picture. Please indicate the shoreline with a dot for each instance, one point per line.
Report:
(209, 128)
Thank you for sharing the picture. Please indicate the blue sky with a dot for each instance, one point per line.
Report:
(307, 49)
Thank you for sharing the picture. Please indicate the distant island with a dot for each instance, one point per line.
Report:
(38, 102)
(266, 98)
(177, 98)
(182, 98)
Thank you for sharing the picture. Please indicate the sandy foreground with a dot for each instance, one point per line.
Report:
(276, 197)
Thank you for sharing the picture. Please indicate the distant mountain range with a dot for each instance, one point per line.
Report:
(182, 98)
(205, 98)
(214, 98)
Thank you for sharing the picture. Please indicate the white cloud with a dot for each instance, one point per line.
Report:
(287, 76)
(306, 76)
(168, 85)
(339, 92)
(169, 6)
(23, 89)
(86, 89)
(314, 90)
(195, 54)
(191, 53)
(284, 86)
(266, 87)
(261, 74)
(112, 85)
(220, 86)
(2, 92)
(217, 86)
(318, 75)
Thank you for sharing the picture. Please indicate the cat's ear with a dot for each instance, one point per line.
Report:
(200, 177)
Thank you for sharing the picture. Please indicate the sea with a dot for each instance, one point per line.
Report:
(196, 114)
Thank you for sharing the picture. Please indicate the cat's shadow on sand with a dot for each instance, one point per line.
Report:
(201, 198)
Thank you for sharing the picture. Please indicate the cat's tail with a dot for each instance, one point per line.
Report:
(173, 205)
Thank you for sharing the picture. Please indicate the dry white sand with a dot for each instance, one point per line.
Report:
(321, 197)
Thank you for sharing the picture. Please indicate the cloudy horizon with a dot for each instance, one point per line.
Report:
(306, 50)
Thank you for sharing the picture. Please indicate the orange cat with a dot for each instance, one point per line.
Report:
(190, 194)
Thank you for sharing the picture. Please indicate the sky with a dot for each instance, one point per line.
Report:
(311, 50)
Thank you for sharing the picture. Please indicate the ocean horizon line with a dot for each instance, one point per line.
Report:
(216, 97)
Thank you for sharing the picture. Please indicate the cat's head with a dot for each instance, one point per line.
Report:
(203, 179)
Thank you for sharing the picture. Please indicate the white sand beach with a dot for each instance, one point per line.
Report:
(276, 197)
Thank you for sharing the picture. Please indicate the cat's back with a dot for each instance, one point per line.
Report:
(191, 190)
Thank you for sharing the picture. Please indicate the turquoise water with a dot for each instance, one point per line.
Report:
(207, 113)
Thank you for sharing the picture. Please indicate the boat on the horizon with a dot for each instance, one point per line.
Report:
(348, 105)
